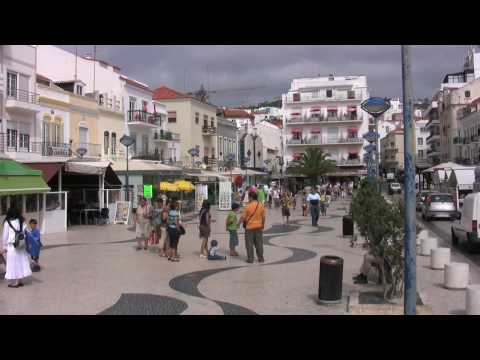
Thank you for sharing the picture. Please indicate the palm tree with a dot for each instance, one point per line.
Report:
(313, 163)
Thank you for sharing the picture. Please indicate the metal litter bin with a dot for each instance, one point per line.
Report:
(347, 225)
(330, 280)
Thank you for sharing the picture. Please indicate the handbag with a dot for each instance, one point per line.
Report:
(245, 222)
(19, 243)
(181, 230)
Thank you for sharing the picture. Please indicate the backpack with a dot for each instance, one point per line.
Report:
(20, 243)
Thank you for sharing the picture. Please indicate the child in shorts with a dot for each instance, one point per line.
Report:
(34, 244)
(232, 227)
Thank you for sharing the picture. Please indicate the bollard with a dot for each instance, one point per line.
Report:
(421, 235)
(472, 302)
(456, 275)
(439, 258)
(428, 244)
(330, 280)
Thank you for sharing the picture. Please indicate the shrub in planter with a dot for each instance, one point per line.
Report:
(381, 224)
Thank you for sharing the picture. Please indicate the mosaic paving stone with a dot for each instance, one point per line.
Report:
(146, 304)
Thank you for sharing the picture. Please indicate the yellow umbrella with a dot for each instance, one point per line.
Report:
(172, 188)
(184, 185)
(164, 186)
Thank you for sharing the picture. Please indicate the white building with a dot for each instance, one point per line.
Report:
(325, 112)
(272, 143)
(421, 134)
(266, 113)
(20, 133)
(144, 121)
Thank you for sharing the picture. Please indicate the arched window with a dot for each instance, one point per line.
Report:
(114, 144)
(47, 119)
(106, 141)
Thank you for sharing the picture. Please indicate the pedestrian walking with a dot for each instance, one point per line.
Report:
(261, 194)
(294, 201)
(33, 244)
(253, 220)
(323, 203)
(286, 203)
(143, 217)
(175, 229)
(313, 200)
(204, 228)
(232, 228)
(160, 219)
(14, 245)
(276, 197)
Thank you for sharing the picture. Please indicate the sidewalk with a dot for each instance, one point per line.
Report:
(95, 269)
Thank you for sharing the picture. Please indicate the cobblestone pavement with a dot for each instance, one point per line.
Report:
(96, 270)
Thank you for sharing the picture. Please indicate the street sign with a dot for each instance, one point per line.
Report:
(375, 106)
(370, 136)
(148, 191)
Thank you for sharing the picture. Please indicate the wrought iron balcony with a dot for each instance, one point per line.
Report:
(144, 117)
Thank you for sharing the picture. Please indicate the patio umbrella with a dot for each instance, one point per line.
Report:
(184, 185)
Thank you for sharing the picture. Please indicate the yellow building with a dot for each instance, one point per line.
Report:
(110, 128)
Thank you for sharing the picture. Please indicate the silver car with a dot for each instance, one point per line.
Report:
(439, 205)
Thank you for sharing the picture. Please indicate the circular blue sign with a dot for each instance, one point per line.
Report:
(375, 106)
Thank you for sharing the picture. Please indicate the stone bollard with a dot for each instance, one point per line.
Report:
(472, 306)
(439, 258)
(456, 275)
(421, 235)
(428, 244)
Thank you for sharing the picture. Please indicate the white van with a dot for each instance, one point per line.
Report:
(467, 228)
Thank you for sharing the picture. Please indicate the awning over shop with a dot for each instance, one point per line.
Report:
(244, 172)
(332, 109)
(49, 170)
(315, 110)
(207, 176)
(87, 167)
(16, 178)
(145, 166)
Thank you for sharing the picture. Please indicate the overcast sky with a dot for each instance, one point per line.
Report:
(269, 69)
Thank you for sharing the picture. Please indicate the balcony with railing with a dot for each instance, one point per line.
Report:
(92, 150)
(354, 140)
(301, 97)
(433, 135)
(143, 118)
(165, 136)
(323, 119)
(22, 100)
(209, 130)
(9, 144)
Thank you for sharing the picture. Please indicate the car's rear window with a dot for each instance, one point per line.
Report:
(442, 198)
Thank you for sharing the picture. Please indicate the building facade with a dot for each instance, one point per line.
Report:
(325, 113)
(196, 121)
(227, 139)
(19, 106)
(392, 153)
(468, 140)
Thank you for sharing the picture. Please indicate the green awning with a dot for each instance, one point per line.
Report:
(16, 178)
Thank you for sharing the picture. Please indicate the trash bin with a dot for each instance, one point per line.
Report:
(330, 280)
(347, 225)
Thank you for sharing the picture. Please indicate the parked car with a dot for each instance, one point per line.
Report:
(421, 196)
(439, 205)
(394, 188)
(466, 229)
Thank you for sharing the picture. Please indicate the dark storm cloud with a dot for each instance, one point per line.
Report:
(273, 67)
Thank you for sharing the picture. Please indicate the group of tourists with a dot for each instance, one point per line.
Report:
(20, 251)
(159, 224)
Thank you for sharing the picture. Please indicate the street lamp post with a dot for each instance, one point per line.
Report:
(127, 141)
(410, 293)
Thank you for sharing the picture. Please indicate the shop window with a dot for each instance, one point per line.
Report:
(329, 93)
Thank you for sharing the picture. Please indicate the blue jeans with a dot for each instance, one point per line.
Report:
(314, 211)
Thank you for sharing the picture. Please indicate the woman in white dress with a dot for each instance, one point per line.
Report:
(18, 264)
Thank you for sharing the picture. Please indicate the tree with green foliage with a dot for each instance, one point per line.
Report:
(381, 223)
(313, 163)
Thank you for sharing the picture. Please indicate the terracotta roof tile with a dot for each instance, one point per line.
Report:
(237, 114)
(165, 93)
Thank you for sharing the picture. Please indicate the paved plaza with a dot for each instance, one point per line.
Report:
(96, 270)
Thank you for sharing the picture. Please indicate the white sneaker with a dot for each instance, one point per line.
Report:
(203, 256)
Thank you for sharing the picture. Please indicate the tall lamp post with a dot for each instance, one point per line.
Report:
(410, 293)
(375, 106)
(127, 141)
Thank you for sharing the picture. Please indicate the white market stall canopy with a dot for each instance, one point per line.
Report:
(446, 166)
(463, 178)
(144, 166)
(244, 172)
(87, 167)
(208, 176)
